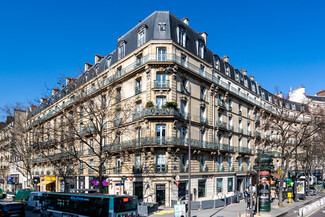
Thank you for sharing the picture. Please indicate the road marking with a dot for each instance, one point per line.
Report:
(163, 212)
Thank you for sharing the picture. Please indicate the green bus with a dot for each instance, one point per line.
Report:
(88, 205)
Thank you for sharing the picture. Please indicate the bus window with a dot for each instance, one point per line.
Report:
(125, 204)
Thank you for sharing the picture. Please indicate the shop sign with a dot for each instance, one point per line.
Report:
(177, 182)
(265, 173)
(50, 178)
(131, 178)
(10, 180)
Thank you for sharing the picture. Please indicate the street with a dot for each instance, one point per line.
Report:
(31, 214)
(319, 213)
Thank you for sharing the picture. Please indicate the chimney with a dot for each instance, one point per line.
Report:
(67, 81)
(205, 35)
(43, 99)
(251, 77)
(32, 107)
(97, 58)
(185, 20)
(243, 71)
(55, 90)
(88, 66)
(226, 59)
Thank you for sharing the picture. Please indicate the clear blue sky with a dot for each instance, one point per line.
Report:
(281, 43)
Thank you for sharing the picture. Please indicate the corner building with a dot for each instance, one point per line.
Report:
(162, 60)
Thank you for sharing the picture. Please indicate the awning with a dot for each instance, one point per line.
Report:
(277, 176)
(46, 182)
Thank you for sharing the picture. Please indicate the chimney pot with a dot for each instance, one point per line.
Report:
(226, 59)
(243, 71)
(205, 35)
(54, 91)
(185, 20)
(87, 66)
(251, 77)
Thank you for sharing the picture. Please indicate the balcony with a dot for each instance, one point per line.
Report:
(244, 150)
(240, 130)
(203, 120)
(241, 168)
(90, 171)
(137, 170)
(161, 84)
(221, 125)
(161, 168)
(258, 151)
(231, 169)
(138, 90)
(158, 112)
(223, 147)
(249, 133)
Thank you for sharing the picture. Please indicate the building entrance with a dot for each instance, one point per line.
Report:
(138, 190)
(240, 184)
(160, 191)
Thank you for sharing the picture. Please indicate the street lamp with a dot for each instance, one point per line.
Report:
(171, 70)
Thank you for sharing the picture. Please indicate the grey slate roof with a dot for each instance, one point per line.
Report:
(153, 33)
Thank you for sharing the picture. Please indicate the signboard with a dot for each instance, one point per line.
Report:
(264, 190)
(131, 178)
(300, 187)
(36, 180)
(180, 210)
(119, 184)
(177, 182)
(177, 178)
(10, 180)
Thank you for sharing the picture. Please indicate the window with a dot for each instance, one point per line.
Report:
(229, 162)
(160, 163)
(240, 160)
(117, 164)
(237, 75)
(162, 26)
(239, 142)
(91, 166)
(227, 70)
(202, 114)
(240, 124)
(138, 106)
(138, 86)
(183, 107)
(202, 135)
(245, 82)
(230, 105)
(184, 86)
(138, 136)
(220, 117)
(161, 81)
(139, 60)
(220, 138)
(219, 160)
(103, 101)
(200, 48)
(201, 70)
(248, 162)
(240, 109)
(142, 37)
(219, 185)
(118, 72)
(249, 144)
(217, 64)
(137, 161)
(121, 51)
(248, 112)
(183, 60)
(293, 106)
(118, 95)
(160, 133)
(230, 140)
(161, 54)
(202, 188)
(253, 87)
(183, 160)
(118, 138)
(202, 93)
(181, 36)
(183, 133)
(160, 101)
(230, 184)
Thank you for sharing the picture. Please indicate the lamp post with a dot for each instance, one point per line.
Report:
(171, 70)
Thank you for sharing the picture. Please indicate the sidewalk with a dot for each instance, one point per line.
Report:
(234, 210)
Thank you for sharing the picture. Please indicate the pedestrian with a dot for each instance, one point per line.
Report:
(247, 198)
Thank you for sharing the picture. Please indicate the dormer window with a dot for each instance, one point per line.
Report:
(121, 51)
(217, 63)
(108, 63)
(200, 48)
(181, 36)
(237, 75)
(245, 82)
(293, 106)
(227, 70)
(253, 87)
(162, 26)
(263, 94)
(142, 35)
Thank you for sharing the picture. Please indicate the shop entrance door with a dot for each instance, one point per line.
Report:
(138, 190)
(160, 191)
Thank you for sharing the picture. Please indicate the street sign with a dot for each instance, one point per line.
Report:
(119, 184)
(177, 178)
(108, 180)
(177, 182)
(131, 178)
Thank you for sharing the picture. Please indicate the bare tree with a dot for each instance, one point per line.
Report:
(286, 130)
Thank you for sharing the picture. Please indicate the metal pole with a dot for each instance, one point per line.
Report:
(258, 191)
(189, 154)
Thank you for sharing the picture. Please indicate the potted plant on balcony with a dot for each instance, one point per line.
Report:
(149, 104)
(170, 105)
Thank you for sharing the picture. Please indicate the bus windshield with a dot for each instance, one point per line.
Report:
(125, 204)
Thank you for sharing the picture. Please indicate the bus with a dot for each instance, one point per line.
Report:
(88, 205)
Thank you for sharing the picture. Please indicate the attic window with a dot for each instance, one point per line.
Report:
(253, 87)
(245, 82)
(200, 48)
(162, 26)
(121, 51)
(181, 36)
(227, 70)
(142, 36)
(217, 63)
(237, 75)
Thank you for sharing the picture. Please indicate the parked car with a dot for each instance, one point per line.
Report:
(312, 190)
(34, 201)
(16, 209)
(22, 195)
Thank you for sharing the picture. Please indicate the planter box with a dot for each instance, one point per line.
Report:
(146, 208)
(195, 205)
(228, 200)
(220, 203)
(207, 204)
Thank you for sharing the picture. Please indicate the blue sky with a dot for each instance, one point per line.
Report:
(281, 43)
